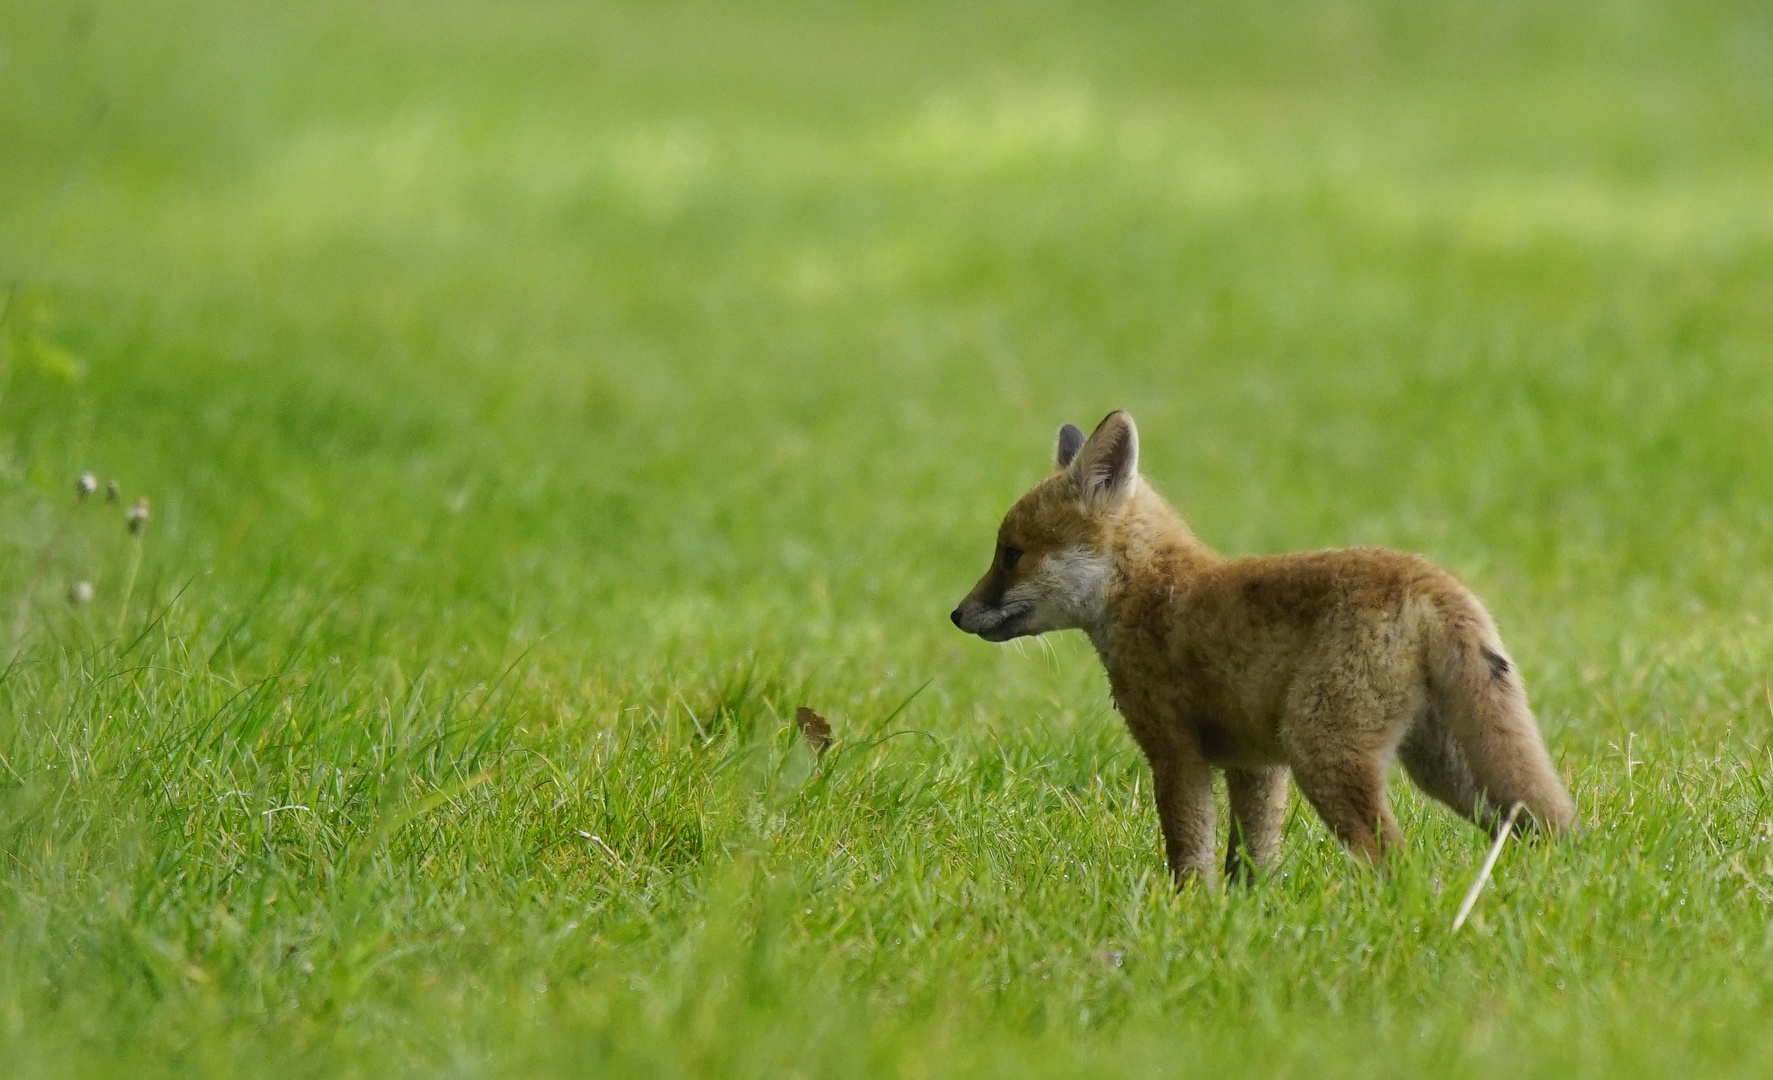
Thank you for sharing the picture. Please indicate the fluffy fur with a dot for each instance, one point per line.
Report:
(1329, 664)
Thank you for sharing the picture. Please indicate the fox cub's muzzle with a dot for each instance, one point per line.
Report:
(987, 612)
(992, 623)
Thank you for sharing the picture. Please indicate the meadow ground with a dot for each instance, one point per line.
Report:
(539, 401)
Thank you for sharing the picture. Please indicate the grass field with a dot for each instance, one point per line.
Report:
(538, 401)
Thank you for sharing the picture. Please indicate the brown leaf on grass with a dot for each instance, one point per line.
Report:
(816, 731)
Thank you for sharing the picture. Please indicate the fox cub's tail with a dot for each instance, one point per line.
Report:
(1480, 749)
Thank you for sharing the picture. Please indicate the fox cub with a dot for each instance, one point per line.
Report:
(1327, 663)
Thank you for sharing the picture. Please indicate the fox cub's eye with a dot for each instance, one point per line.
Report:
(1010, 555)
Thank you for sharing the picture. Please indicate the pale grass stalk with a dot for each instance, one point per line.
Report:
(135, 564)
(137, 519)
(1471, 894)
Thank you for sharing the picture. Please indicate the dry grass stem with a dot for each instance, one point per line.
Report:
(1471, 894)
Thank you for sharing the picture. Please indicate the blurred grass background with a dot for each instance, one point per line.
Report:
(539, 400)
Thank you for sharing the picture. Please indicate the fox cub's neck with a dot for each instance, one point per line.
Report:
(1154, 554)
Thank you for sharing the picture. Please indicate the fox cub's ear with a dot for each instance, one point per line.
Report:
(1107, 464)
(1071, 440)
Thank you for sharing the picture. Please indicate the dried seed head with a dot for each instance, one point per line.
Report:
(113, 493)
(80, 593)
(137, 516)
(86, 485)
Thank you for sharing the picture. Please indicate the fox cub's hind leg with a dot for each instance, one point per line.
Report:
(1339, 733)
(1258, 799)
(1346, 786)
(1435, 763)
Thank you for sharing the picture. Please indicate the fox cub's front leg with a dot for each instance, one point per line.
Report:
(1258, 799)
(1184, 787)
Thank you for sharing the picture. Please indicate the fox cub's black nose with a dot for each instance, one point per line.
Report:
(954, 616)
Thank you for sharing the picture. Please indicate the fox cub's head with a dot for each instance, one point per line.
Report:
(1051, 568)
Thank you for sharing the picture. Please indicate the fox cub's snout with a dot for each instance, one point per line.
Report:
(1329, 665)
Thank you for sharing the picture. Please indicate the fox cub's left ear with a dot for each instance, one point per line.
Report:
(1071, 440)
(1107, 465)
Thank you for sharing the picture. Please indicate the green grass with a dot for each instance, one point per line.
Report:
(539, 401)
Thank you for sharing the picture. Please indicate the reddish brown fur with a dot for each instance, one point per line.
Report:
(1327, 663)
